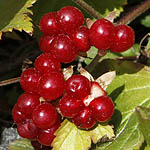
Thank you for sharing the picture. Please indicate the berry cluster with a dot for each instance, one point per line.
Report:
(104, 35)
(64, 36)
(85, 102)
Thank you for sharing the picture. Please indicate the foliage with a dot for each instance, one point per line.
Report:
(68, 136)
(14, 16)
(129, 90)
(21, 144)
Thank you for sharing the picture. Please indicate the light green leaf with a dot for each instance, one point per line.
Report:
(91, 54)
(21, 145)
(146, 21)
(147, 48)
(133, 51)
(102, 130)
(147, 148)
(128, 91)
(14, 15)
(69, 137)
(144, 122)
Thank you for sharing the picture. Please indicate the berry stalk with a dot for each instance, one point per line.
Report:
(89, 9)
(9, 81)
(137, 11)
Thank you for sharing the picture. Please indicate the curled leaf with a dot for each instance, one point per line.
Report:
(67, 72)
(86, 74)
(113, 15)
(102, 131)
(89, 22)
(105, 79)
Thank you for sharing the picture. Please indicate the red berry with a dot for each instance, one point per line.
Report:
(78, 86)
(63, 49)
(124, 38)
(27, 103)
(46, 137)
(102, 108)
(29, 80)
(84, 119)
(27, 129)
(17, 115)
(101, 34)
(46, 63)
(51, 85)
(45, 116)
(48, 24)
(70, 106)
(69, 18)
(81, 38)
(45, 42)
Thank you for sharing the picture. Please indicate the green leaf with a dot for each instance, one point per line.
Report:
(91, 54)
(133, 51)
(146, 21)
(69, 137)
(14, 15)
(21, 145)
(147, 148)
(119, 66)
(102, 130)
(128, 91)
(144, 122)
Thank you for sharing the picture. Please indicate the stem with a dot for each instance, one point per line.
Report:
(89, 9)
(9, 81)
(93, 63)
(137, 11)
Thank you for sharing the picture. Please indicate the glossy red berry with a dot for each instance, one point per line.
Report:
(78, 86)
(101, 34)
(70, 106)
(84, 119)
(45, 42)
(124, 38)
(48, 24)
(45, 116)
(102, 108)
(29, 80)
(27, 103)
(27, 129)
(17, 115)
(63, 49)
(69, 18)
(51, 85)
(46, 137)
(81, 38)
(45, 63)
